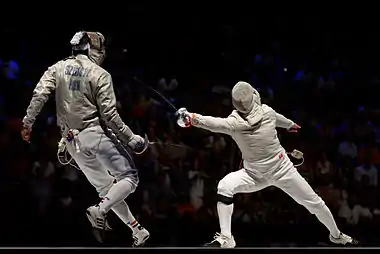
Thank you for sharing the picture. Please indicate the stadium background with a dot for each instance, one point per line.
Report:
(322, 72)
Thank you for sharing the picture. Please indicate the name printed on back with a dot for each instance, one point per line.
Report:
(75, 71)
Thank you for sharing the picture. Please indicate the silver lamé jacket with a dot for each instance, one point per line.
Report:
(84, 94)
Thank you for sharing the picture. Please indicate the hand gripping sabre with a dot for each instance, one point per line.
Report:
(143, 147)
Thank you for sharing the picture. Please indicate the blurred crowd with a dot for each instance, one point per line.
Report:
(327, 90)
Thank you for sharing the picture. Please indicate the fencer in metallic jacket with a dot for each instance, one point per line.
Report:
(83, 90)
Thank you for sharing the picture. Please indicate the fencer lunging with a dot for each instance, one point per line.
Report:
(265, 163)
(86, 112)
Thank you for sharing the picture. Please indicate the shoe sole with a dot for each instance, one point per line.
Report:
(143, 242)
(217, 245)
(354, 243)
(346, 244)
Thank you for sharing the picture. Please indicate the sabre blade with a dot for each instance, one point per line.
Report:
(157, 92)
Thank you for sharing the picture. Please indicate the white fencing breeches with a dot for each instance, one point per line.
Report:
(285, 177)
(101, 161)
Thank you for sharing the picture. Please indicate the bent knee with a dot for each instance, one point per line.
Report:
(226, 188)
(225, 200)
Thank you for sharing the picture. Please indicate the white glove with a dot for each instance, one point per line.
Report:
(183, 117)
(136, 143)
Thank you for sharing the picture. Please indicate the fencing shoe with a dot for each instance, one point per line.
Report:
(140, 236)
(221, 241)
(98, 222)
(344, 240)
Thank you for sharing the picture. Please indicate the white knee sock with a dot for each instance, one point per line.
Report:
(118, 192)
(324, 215)
(123, 212)
(225, 215)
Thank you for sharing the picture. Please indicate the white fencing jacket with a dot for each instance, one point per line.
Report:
(258, 143)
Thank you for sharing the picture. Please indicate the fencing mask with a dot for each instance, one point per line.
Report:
(246, 100)
(93, 43)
